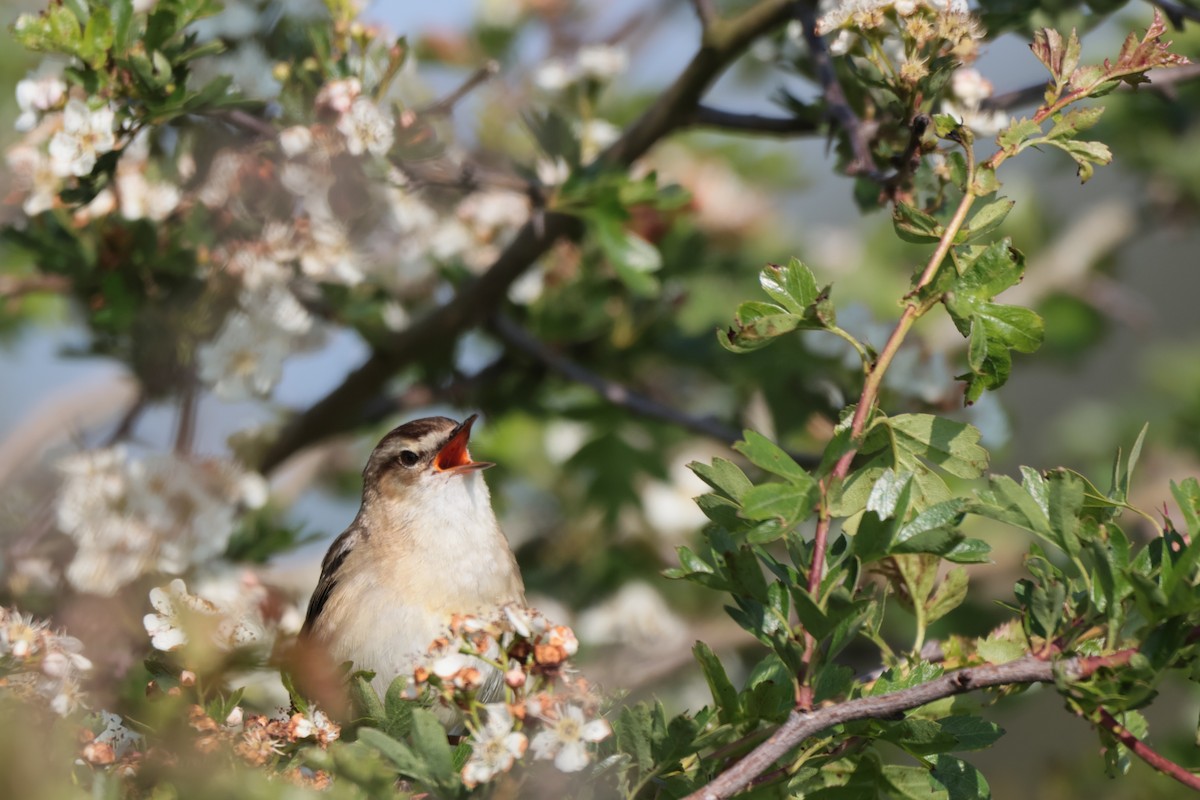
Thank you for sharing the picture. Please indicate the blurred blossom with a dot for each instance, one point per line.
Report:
(969, 89)
(246, 359)
(601, 62)
(37, 662)
(596, 62)
(338, 96)
(566, 737)
(236, 621)
(85, 135)
(595, 135)
(499, 13)
(367, 128)
(553, 171)
(34, 175)
(722, 202)
(36, 96)
(161, 513)
(495, 746)
(563, 438)
(636, 615)
(295, 141)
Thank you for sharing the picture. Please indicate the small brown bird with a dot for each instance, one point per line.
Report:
(424, 546)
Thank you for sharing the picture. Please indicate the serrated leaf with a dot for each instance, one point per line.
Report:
(430, 744)
(793, 286)
(914, 225)
(1064, 503)
(1016, 134)
(767, 455)
(950, 594)
(962, 781)
(788, 502)
(407, 763)
(1066, 125)
(887, 491)
(724, 476)
(1187, 497)
(950, 445)
(986, 220)
(724, 694)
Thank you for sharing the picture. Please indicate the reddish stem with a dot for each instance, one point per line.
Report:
(1146, 753)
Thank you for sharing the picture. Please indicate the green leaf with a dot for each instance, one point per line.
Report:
(1187, 496)
(407, 762)
(885, 495)
(633, 258)
(986, 220)
(952, 446)
(1073, 121)
(914, 225)
(430, 744)
(794, 287)
(724, 476)
(122, 17)
(1064, 503)
(950, 594)
(993, 329)
(724, 695)
(788, 502)
(962, 781)
(1085, 154)
(1016, 134)
(768, 456)
(364, 696)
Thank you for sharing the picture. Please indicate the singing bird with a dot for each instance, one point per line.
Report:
(425, 546)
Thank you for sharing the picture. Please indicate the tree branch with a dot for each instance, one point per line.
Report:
(434, 335)
(1177, 13)
(836, 105)
(446, 105)
(708, 117)
(517, 338)
(800, 726)
(1161, 80)
(12, 286)
(1146, 753)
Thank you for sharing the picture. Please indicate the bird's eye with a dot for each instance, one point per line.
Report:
(408, 458)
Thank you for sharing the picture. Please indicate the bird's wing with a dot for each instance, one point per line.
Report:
(334, 559)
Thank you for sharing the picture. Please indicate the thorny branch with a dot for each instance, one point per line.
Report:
(802, 725)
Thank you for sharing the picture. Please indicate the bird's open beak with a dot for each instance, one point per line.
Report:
(453, 457)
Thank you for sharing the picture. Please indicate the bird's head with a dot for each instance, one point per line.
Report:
(421, 455)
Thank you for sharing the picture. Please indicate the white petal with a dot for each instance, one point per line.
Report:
(595, 730)
(572, 757)
(544, 745)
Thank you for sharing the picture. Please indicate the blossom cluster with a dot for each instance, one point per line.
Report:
(259, 739)
(914, 30)
(37, 662)
(129, 516)
(509, 678)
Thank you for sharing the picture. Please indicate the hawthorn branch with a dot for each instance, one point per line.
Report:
(1177, 13)
(1146, 753)
(803, 725)
(434, 335)
(519, 339)
(836, 105)
(708, 117)
(1162, 81)
(477, 78)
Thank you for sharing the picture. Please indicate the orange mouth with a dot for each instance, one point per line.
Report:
(453, 457)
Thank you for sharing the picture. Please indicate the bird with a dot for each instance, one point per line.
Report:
(424, 547)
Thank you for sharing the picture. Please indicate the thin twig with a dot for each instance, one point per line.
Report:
(1146, 753)
(435, 334)
(801, 725)
(1162, 81)
(836, 105)
(705, 12)
(708, 117)
(185, 424)
(477, 78)
(615, 393)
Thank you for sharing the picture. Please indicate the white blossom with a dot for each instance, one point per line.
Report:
(338, 96)
(555, 74)
(34, 173)
(970, 89)
(167, 627)
(36, 96)
(131, 516)
(246, 359)
(367, 128)
(49, 664)
(566, 737)
(601, 62)
(295, 141)
(494, 747)
(86, 134)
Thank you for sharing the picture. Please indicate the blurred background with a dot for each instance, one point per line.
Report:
(594, 496)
